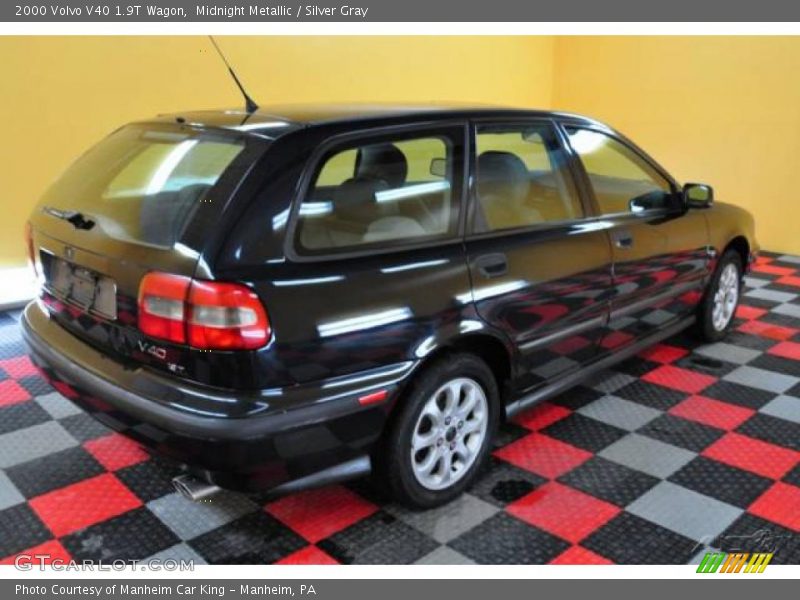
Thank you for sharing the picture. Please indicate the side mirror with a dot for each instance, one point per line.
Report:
(698, 195)
(649, 201)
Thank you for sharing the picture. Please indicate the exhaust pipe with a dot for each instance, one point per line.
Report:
(194, 489)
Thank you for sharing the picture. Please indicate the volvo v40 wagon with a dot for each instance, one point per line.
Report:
(301, 295)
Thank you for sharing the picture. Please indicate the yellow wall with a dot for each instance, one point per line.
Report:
(720, 110)
(59, 95)
(723, 110)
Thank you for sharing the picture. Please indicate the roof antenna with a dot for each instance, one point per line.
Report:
(249, 104)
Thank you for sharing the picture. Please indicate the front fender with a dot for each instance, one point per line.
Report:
(726, 222)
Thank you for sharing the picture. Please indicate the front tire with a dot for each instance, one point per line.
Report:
(718, 308)
(442, 433)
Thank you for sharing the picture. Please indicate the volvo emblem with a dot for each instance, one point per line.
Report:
(69, 252)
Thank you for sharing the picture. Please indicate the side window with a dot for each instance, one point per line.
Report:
(522, 178)
(390, 191)
(621, 179)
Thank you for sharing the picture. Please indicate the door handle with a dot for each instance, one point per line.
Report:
(492, 265)
(622, 238)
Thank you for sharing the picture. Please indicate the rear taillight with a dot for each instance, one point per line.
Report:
(162, 306)
(29, 245)
(209, 315)
(225, 316)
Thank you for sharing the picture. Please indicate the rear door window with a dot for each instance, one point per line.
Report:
(383, 192)
(522, 178)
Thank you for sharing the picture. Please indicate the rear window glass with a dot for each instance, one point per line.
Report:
(380, 193)
(143, 184)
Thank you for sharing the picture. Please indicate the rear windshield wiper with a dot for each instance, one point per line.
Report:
(73, 216)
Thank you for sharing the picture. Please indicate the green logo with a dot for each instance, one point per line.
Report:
(740, 562)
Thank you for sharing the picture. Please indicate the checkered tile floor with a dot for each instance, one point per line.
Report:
(684, 448)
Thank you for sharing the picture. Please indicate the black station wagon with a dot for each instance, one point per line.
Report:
(298, 295)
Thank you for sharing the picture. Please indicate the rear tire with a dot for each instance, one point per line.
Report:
(449, 416)
(717, 310)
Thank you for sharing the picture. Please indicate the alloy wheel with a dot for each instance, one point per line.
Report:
(725, 297)
(449, 433)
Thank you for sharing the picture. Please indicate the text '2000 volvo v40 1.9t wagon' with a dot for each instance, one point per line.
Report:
(289, 297)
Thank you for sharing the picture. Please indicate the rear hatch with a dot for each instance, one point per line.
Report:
(147, 198)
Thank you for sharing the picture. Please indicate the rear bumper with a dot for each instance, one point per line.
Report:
(283, 437)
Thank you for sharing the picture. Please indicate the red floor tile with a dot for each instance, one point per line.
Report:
(789, 280)
(577, 555)
(543, 455)
(563, 511)
(570, 345)
(691, 297)
(763, 260)
(680, 379)
(83, 504)
(663, 353)
(773, 270)
(12, 393)
(786, 350)
(301, 512)
(750, 312)
(615, 339)
(542, 415)
(712, 412)
(768, 330)
(115, 451)
(779, 504)
(310, 555)
(43, 553)
(18, 367)
(753, 455)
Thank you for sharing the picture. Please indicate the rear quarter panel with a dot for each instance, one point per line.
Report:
(332, 318)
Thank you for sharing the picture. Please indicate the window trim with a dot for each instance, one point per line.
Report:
(586, 181)
(449, 127)
(588, 209)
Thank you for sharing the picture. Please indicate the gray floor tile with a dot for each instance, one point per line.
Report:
(790, 258)
(647, 455)
(178, 552)
(449, 521)
(554, 367)
(444, 556)
(609, 382)
(9, 494)
(620, 412)
(58, 406)
(792, 310)
(190, 519)
(33, 442)
(762, 379)
(621, 323)
(770, 295)
(783, 407)
(755, 282)
(658, 317)
(728, 353)
(686, 512)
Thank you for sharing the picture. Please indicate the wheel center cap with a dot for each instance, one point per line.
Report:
(451, 434)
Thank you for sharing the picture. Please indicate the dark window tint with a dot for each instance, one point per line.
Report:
(622, 180)
(387, 192)
(522, 179)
